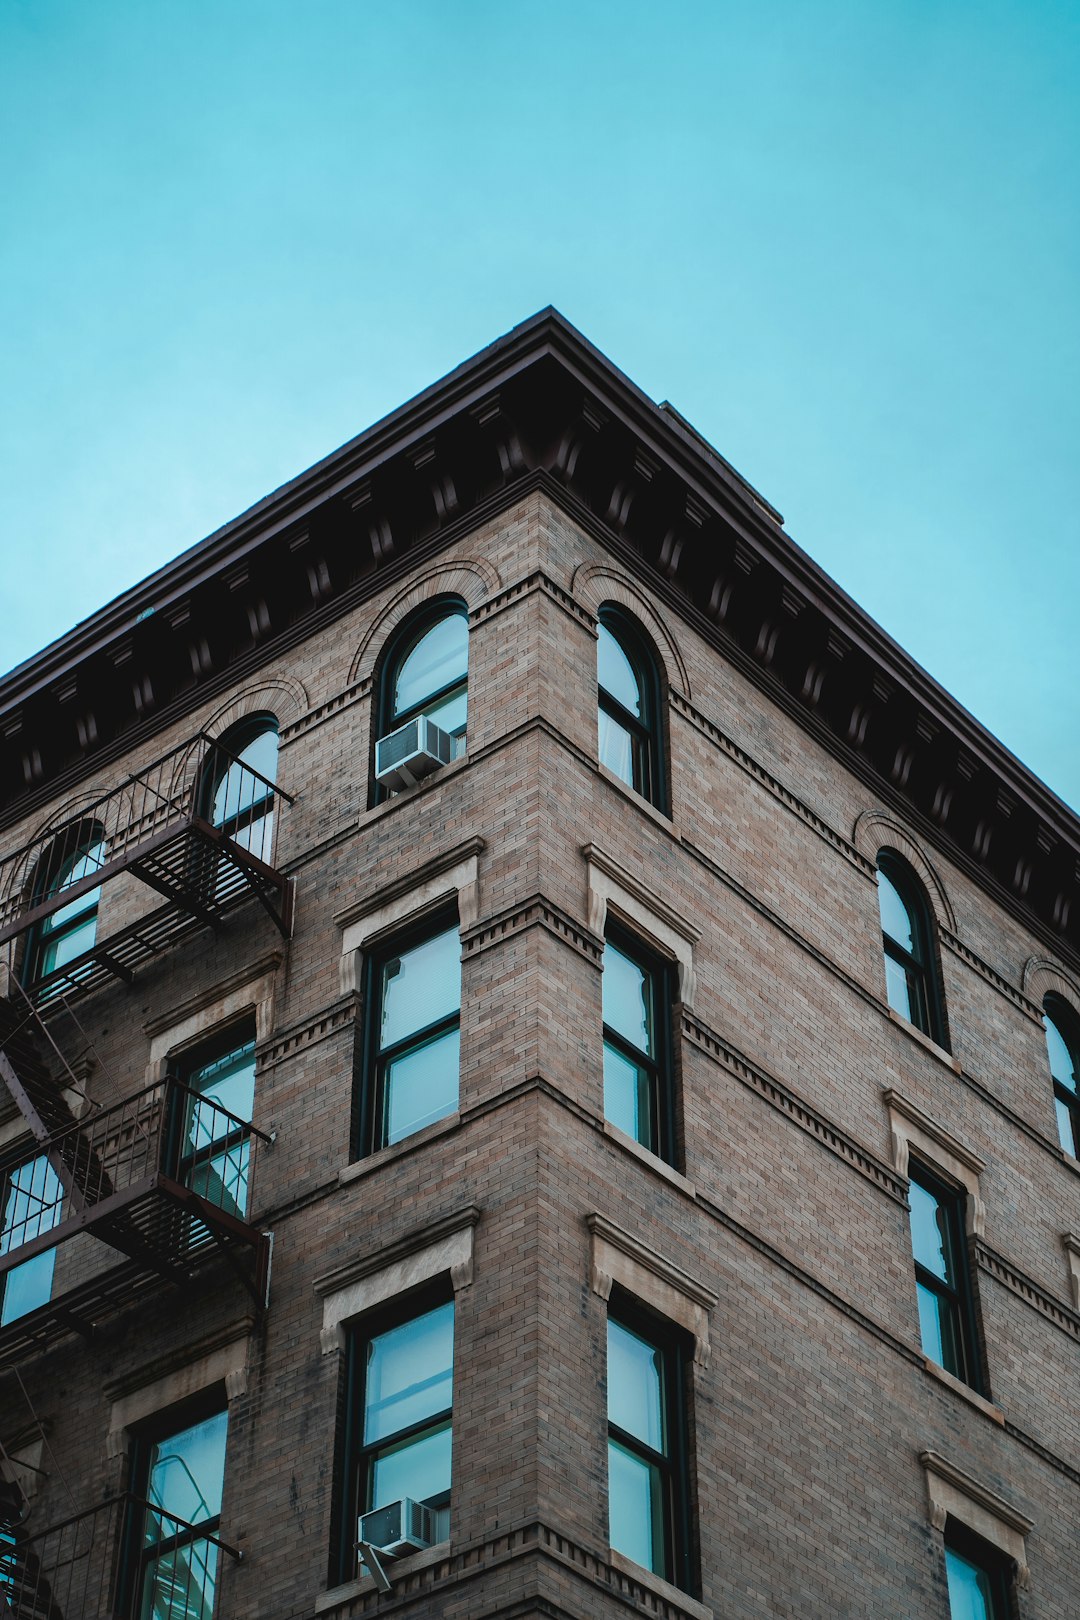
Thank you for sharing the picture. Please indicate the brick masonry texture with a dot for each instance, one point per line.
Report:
(806, 1425)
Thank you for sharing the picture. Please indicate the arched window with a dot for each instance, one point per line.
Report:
(1063, 1047)
(628, 700)
(427, 673)
(910, 969)
(237, 791)
(70, 930)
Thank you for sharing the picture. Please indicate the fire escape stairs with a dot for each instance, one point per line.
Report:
(25, 1593)
(161, 1227)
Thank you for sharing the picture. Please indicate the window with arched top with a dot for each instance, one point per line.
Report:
(911, 979)
(237, 788)
(1063, 1049)
(427, 672)
(628, 705)
(69, 930)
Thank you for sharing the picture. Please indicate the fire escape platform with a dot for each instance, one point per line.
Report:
(160, 1179)
(153, 827)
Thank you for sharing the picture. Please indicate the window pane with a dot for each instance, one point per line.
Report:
(229, 1082)
(939, 1330)
(84, 864)
(930, 1233)
(1067, 1133)
(898, 989)
(451, 713)
(223, 1180)
(1062, 1066)
(628, 1099)
(896, 920)
(636, 1508)
(239, 789)
(635, 1386)
(616, 748)
(35, 1199)
(257, 836)
(419, 1468)
(28, 1286)
(409, 1373)
(180, 1585)
(422, 1085)
(971, 1594)
(627, 999)
(616, 673)
(186, 1475)
(440, 658)
(58, 952)
(420, 986)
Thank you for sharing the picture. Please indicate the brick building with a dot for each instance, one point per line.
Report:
(648, 1142)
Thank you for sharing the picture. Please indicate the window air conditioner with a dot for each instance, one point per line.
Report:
(412, 751)
(399, 1528)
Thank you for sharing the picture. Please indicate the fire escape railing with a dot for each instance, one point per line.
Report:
(162, 1178)
(121, 1558)
(196, 827)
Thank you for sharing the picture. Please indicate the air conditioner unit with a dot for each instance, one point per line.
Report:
(399, 1528)
(412, 751)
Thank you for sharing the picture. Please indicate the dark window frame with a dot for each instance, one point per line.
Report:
(952, 1199)
(646, 733)
(662, 974)
(676, 1357)
(22, 1151)
(921, 968)
(401, 643)
(370, 1084)
(223, 755)
(353, 1454)
(134, 1554)
(183, 1065)
(47, 881)
(1064, 1019)
(999, 1568)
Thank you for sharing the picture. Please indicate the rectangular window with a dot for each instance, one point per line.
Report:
(181, 1477)
(637, 1043)
(33, 1204)
(647, 1445)
(217, 1105)
(976, 1574)
(942, 1280)
(413, 1018)
(399, 1437)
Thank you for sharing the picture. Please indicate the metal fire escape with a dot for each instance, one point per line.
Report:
(148, 1188)
(123, 1196)
(194, 828)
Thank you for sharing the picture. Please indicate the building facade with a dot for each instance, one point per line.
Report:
(647, 1143)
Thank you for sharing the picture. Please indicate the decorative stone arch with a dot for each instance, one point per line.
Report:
(875, 831)
(471, 578)
(594, 584)
(21, 874)
(1042, 978)
(282, 696)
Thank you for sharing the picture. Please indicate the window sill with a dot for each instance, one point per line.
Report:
(337, 1595)
(965, 1391)
(661, 1589)
(660, 1166)
(397, 1150)
(924, 1040)
(406, 795)
(637, 798)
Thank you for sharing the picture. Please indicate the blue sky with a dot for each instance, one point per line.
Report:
(843, 238)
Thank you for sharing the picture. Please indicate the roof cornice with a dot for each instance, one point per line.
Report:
(542, 402)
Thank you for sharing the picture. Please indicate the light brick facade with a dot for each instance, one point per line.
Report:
(776, 1240)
